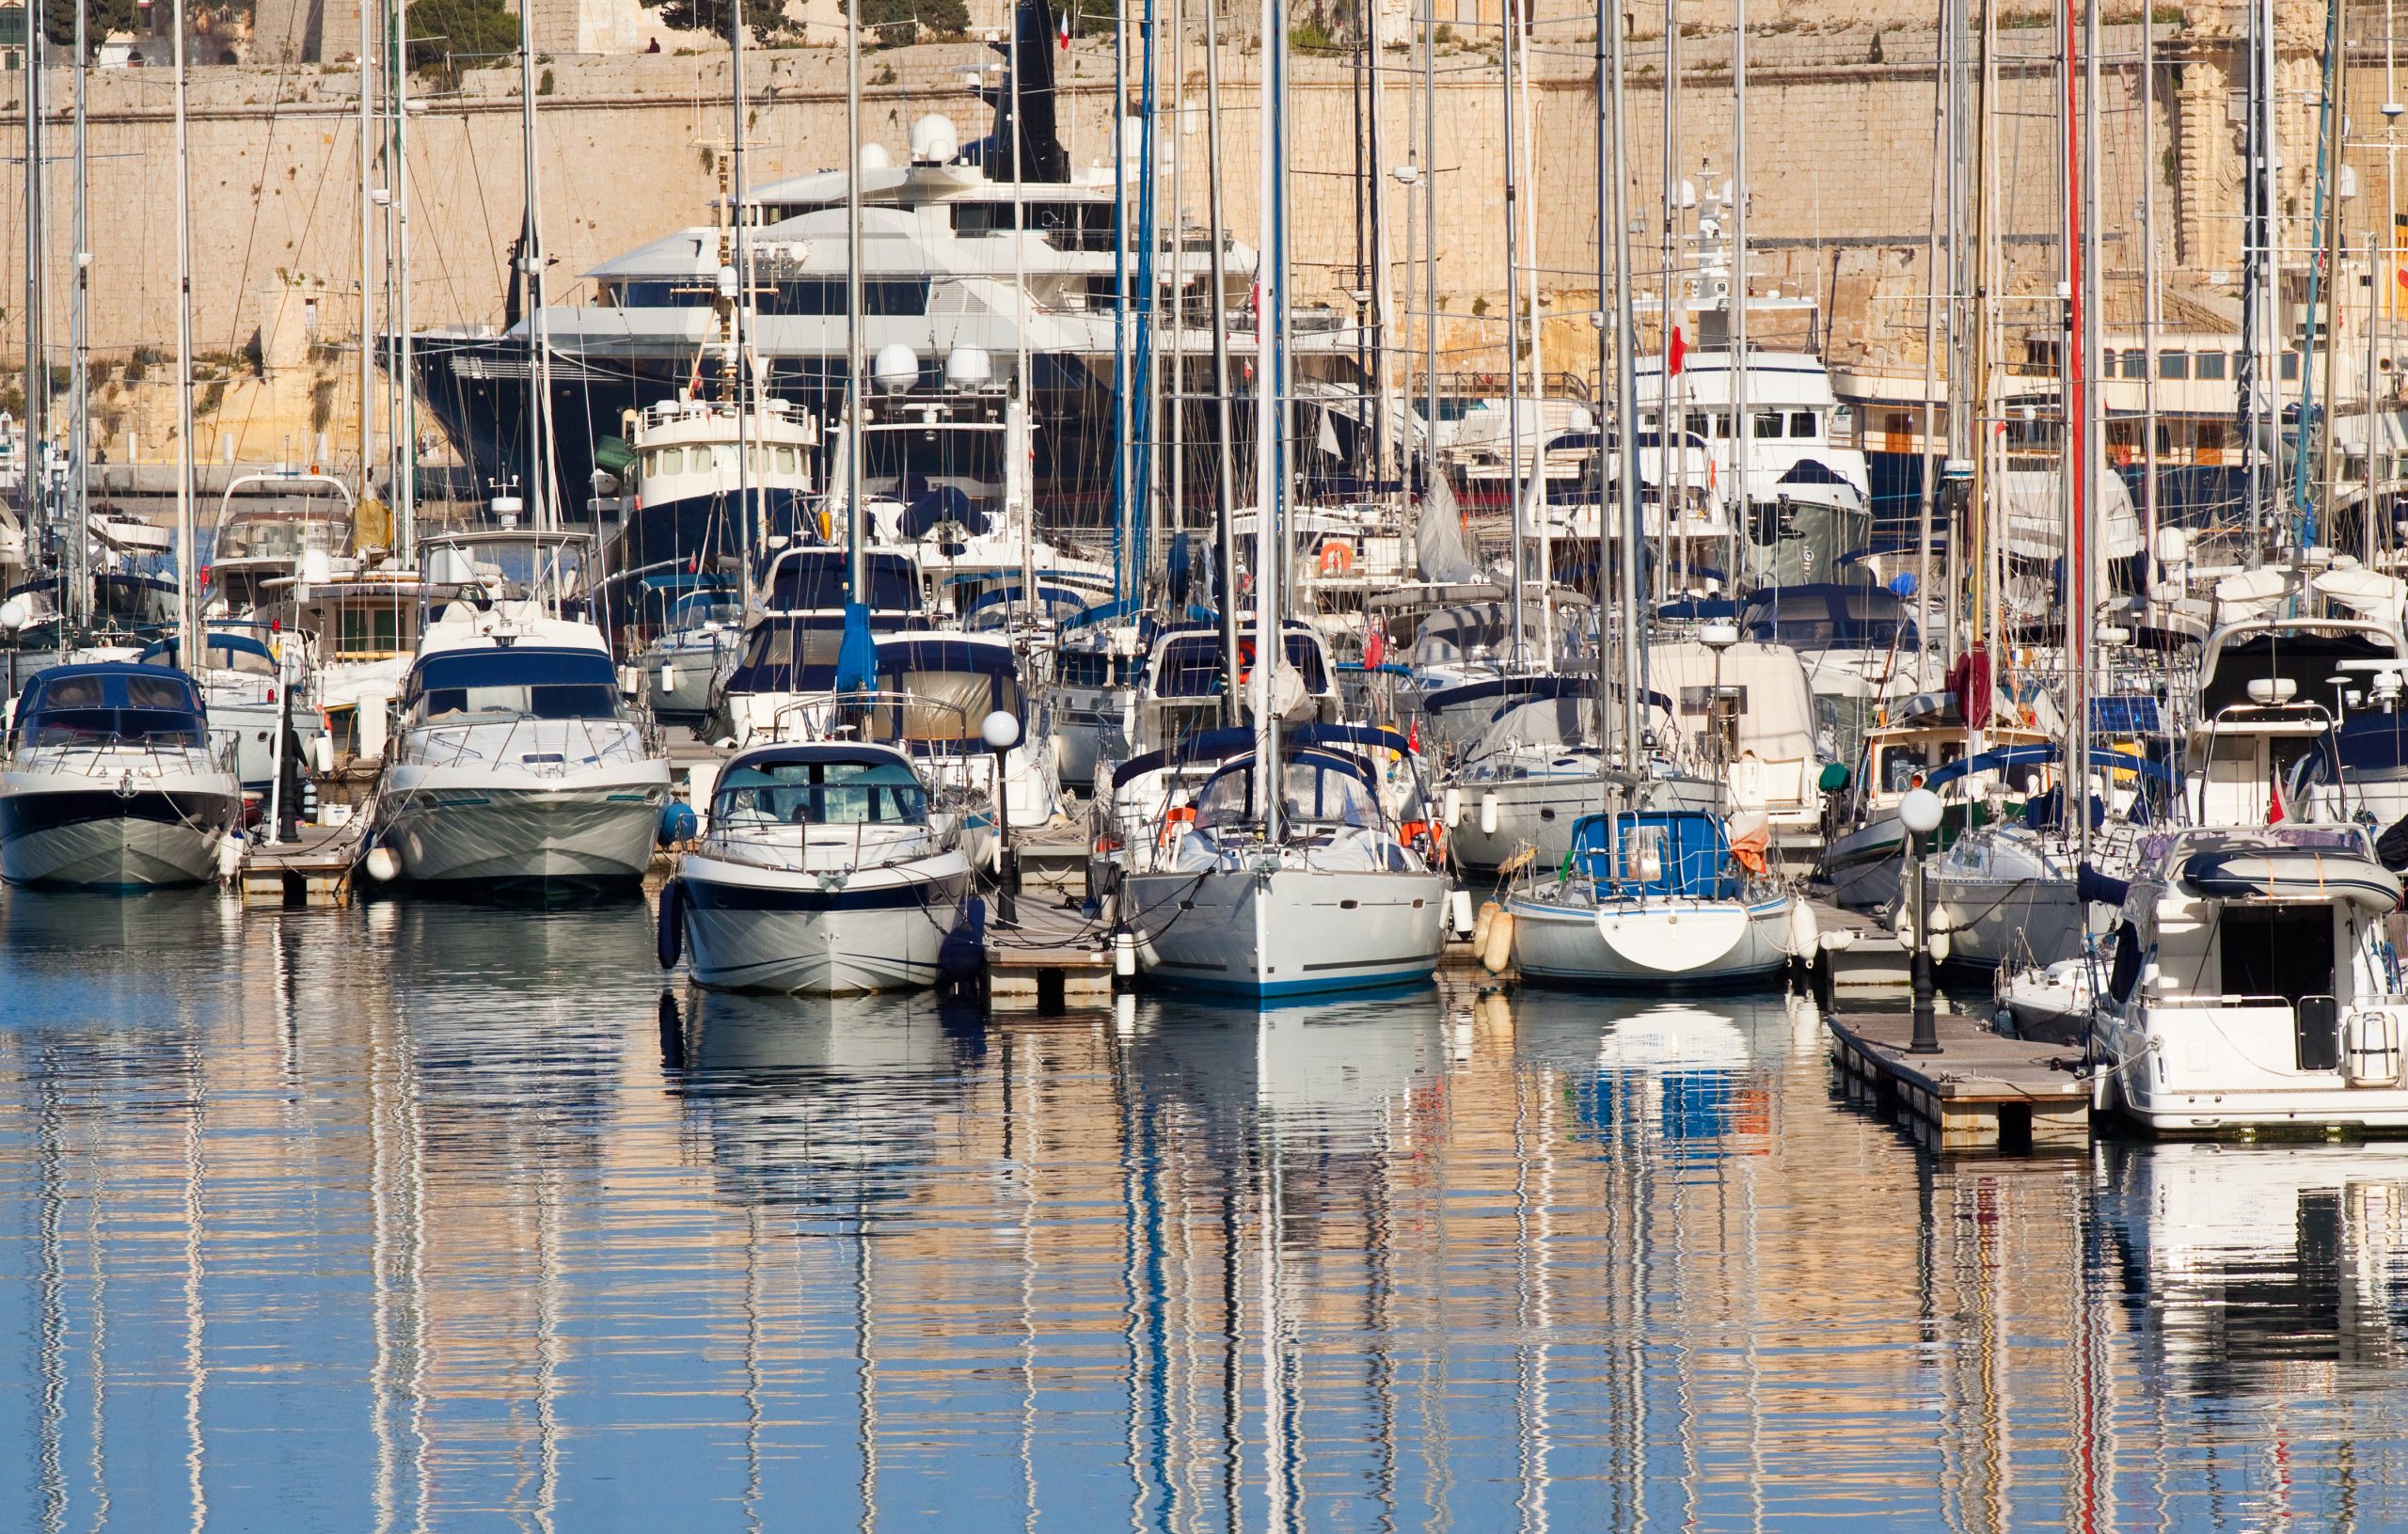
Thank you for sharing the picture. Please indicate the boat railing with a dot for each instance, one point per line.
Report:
(157, 753)
(456, 745)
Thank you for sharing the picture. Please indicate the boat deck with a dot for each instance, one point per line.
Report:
(1981, 1091)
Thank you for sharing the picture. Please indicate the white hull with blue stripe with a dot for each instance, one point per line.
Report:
(1290, 931)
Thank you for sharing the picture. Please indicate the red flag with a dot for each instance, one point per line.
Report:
(1675, 354)
(1375, 647)
(1062, 29)
(1413, 735)
(2275, 811)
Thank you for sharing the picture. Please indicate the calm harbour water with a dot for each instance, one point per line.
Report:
(433, 1217)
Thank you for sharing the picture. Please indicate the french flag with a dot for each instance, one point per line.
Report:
(1062, 29)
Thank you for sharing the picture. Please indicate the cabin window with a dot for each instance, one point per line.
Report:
(1647, 421)
(2173, 364)
(1697, 423)
(1768, 423)
(822, 794)
(2126, 972)
(2209, 365)
(1801, 423)
(2290, 367)
(1900, 767)
(2135, 363)
(787, 459)
(669, 461)
(1721, 425)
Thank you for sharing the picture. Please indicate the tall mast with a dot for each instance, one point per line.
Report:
(856, 534)
(1743, 431)
(1270, 403)
(741, 364)
(1430, 242)
(1633, 637)
(37, 350)
(1223, 482)
(367, 361)
(2149, 285)
(404, 421)
(1514, 422)
(1124, 559)
(188, 599)
(530, 269)
(1940, 118)
(77, 593)
(1533, 487)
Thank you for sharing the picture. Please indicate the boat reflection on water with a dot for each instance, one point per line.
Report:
(414, 1217)
(2271, 1268)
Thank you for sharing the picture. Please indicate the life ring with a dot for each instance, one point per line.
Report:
(1172, 820)
(671, 939)
(1337, 557)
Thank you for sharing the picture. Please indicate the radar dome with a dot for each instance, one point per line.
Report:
(897, 368)
(933, 140)
(874, 157)
(969, 367)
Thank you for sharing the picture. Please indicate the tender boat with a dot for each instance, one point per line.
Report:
(821, 871)
(113, 781)
(1329, 898)
(2251, 985)
(1654, 900)
(518, 768)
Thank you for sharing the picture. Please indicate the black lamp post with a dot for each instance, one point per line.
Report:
(1919, 813)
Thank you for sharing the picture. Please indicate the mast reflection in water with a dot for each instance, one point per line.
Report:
(425, 1217)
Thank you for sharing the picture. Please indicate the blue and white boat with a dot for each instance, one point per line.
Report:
(113, 780)
(1648, 901)
(820, 871)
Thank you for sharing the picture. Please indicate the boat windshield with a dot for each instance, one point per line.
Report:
(821, 794)
(539, 683)
(1317, 791)
(279, 537)
(114, 727)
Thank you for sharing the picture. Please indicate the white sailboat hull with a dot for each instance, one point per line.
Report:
(1649, 943)
(1288, 932)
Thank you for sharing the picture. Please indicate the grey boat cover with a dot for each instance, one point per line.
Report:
(1438, 535)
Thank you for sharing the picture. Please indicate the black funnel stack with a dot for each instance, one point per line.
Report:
(1025, 143)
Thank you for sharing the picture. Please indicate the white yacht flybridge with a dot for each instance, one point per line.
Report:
(960, 250)
(1808, 491)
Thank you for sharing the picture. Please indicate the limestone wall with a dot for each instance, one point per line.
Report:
(1841, 128)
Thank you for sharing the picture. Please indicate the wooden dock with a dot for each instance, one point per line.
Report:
(312, 870)
(1054, 957)
(1981, 1092)
(1856, 952)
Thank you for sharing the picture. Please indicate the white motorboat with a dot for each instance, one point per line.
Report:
(1534, 771)
(1651, 901)
(700, 628)
(1332, 899)
(1862, 862)
(784, 671)
(114, 781)
(518, 768)
(820, 870)
(2252, 987)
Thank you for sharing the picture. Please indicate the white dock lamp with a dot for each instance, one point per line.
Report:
(1919, 811)
(1000, 730)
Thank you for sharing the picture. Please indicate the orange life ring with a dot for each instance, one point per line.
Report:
(1337, 558)
(1184, 815)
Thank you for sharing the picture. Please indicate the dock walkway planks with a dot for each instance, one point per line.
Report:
(1980, 1090)
(1055, 954)
(310, 870)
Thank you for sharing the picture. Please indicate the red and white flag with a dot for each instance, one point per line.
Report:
(2276, 809)
(1062, 27)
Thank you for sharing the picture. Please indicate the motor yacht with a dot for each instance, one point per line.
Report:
(518, 768)
(820, 870)
(2250, 984)
(115, 781)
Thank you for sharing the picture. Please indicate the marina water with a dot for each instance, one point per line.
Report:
(424, 1216)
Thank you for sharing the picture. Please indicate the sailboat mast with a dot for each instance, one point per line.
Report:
(405, 418)
(37, 391)
(1627, 510)
(1515, 425)
(2149, 284)
(1743, 432)
(188, 599)
(856, 533)
(530, 269)
(739, 366)
(1269, 404)
(1223, 482)
(367, 361)
(77, 595)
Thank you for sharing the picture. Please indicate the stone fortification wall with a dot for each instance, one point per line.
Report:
(1841, 141)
